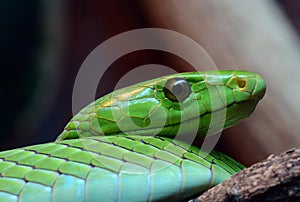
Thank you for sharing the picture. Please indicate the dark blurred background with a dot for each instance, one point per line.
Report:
(44, 43)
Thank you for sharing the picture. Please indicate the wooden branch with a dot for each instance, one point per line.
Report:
(275, 179)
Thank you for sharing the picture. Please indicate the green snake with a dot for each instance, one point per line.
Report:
(121, 147)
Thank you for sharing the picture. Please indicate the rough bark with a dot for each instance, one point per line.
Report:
(275, 179)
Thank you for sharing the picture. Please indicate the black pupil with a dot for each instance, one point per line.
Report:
(177, 89)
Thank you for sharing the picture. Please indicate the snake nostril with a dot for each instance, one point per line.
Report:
(241, 83)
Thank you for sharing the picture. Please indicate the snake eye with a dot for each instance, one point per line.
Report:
(177, 89)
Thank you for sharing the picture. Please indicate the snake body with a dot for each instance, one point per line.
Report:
(122, 148)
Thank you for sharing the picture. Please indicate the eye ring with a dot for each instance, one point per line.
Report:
(177, 89)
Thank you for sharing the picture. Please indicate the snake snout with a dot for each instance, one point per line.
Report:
(260, 88)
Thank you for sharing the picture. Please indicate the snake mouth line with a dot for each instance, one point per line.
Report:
(253, 103)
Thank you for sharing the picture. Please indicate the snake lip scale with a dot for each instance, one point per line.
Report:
(185, 121)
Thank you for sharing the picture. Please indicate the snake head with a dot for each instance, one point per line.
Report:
(195, 102)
